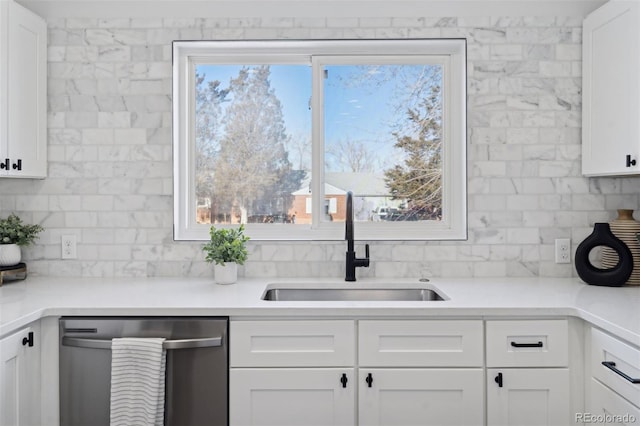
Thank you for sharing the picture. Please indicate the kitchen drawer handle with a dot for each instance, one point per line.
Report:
(612, 366)
(526, 345)
(168, 344)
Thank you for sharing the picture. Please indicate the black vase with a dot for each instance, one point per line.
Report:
(611, 277)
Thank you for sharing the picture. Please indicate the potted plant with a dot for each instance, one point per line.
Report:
(13, 235)
(227, 249)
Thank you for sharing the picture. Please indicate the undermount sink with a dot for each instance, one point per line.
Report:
(352, 294)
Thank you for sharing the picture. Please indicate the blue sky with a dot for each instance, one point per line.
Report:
(357, 109)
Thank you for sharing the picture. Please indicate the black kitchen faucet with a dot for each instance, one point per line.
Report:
(352, 261)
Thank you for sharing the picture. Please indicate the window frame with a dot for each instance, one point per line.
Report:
(451, 53)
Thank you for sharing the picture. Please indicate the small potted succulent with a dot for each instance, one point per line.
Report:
(13, 235)
(227, 249)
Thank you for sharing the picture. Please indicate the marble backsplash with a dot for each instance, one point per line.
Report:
(110, 153)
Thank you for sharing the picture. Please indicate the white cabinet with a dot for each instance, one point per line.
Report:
(401, 376)
(528, 396)
(20, 378)
(23, 104)
(292, 396)
(519, 390)
(427, 372)
(611, 90)
(421, 396)
(613, 373)
(317, 388)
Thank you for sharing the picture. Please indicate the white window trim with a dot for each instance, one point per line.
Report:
(452, 52)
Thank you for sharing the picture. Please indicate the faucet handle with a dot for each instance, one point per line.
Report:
(366, 251)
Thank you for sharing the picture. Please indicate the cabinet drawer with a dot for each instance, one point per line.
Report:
(428, 343)
(614, 408)
(291, 343)
(624, 358)
(528, 343)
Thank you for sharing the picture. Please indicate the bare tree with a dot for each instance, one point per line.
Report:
(209, 97)
(351, 155)
(253, 162)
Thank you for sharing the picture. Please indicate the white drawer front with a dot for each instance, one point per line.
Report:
(291, 343)
(625, 359)
(428, 343)
(610, 408)
(528, 343)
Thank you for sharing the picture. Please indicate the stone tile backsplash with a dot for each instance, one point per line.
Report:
(110, 153)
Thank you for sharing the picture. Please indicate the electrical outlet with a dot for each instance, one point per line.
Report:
(563, 250)
(69, 247)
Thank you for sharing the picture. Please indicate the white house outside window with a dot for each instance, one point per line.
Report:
(273, 134)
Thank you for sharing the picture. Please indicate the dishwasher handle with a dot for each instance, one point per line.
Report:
(208, 342)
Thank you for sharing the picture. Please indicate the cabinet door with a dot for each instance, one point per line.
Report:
(609, 408)
(611, 90)
(291, 396)
(439, 397)
(25, 146)
(528, 396)
(20, 379)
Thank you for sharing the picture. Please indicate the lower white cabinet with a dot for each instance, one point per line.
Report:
(613, 380)
(20, 377)
(528, 381)
(412, 396)
(609, 408)
(292, 396)
(348, 372)
(528, 396)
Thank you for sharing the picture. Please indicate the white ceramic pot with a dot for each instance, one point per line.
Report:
(10, 254)
(226, 274)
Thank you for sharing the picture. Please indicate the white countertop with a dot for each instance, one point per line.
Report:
(615, 309)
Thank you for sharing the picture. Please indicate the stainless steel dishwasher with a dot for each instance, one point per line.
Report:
(196, 369)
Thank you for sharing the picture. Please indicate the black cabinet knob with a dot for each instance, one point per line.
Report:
(344, 380)
(630, 162)
(498, 380)
(28, 341)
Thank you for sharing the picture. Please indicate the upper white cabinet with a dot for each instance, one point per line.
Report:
(611, 90)
(23, 103)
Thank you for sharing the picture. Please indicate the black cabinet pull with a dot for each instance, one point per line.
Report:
(17, 165)
(344, 380)
(612, 366)
(630, 162)
(28, 340)
(526, 345)
(5, 164)
(498, 380)
(369, 380)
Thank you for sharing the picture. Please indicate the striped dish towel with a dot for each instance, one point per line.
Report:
(137, 381)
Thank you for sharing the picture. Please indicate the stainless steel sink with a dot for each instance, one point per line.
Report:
(351, 294)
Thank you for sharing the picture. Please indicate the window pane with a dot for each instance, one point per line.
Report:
(383, 140)
(252, 143)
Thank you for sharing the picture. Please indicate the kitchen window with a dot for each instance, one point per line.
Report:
(272, 134)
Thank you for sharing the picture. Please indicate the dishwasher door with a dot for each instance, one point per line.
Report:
(196, 369)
